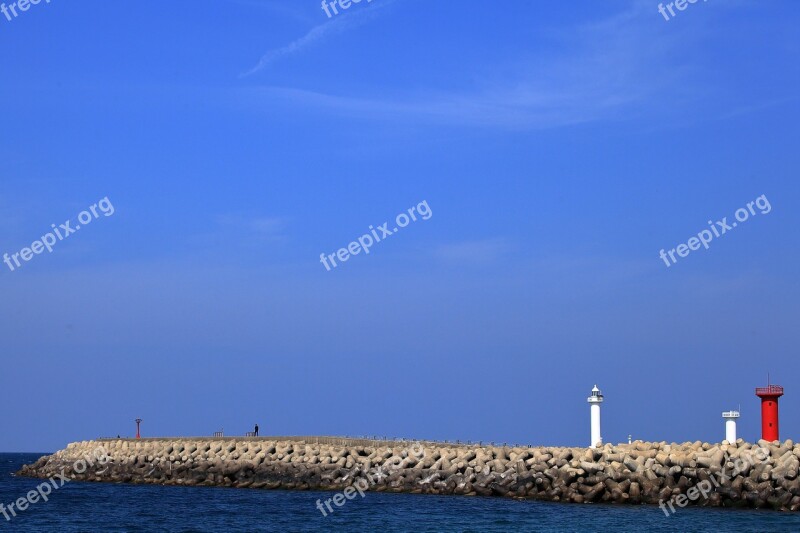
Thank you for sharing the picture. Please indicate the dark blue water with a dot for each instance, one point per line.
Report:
(104, 507)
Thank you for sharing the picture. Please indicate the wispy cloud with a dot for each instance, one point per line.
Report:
(315, 34)
(521, 109)
(267, 227)
(242, 232)
(602, 68)
(481, 252)
(343, 22)
(759, 106)
(281, 8)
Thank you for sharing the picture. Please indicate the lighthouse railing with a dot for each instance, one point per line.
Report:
(772, 389)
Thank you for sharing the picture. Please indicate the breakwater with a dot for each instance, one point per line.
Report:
(762, 475)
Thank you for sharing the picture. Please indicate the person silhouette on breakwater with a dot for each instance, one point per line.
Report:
(256, 431)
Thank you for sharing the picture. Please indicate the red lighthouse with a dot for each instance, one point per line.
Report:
(769, 410)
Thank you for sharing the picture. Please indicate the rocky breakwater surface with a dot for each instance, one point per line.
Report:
(762, 475)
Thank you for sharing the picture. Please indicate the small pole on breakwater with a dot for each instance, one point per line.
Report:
(138, 421)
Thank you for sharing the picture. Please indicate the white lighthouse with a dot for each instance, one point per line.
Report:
(594, 405)
(730, 425)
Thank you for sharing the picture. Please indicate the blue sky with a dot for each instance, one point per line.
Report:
(560, 147)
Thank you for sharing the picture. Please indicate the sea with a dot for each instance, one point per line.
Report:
(103, 507)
